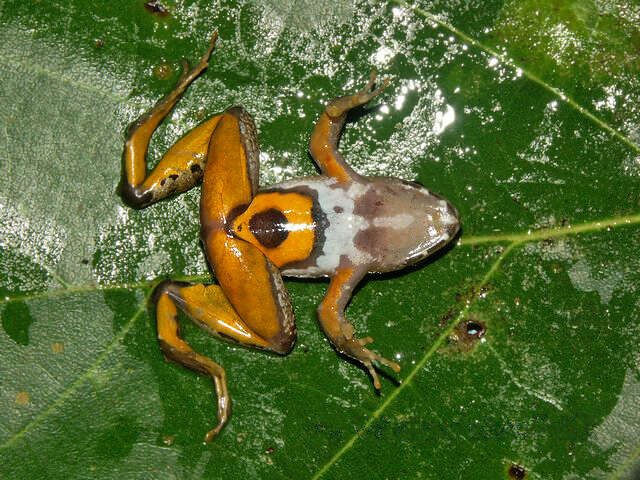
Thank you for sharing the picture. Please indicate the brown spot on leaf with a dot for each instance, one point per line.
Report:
(162, 71)
(22, 398)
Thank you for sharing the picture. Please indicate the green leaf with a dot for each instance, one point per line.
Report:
(519, 345)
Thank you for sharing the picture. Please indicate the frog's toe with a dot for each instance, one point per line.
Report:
(355, 349)
(369, 91)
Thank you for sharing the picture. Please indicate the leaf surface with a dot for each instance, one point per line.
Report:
(518, 344)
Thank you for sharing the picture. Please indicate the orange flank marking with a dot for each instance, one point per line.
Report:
(210, 306)
(300, 226)
(323, 153)
(167, 318)
(245, 277)
(188, 151)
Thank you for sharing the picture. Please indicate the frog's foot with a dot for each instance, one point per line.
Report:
(355, 348)
(209, 307)
(338, 329)
(189, 75)
(342, 105)
(181, 167)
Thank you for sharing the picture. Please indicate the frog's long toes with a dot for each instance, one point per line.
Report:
(365, 341)
(370, 91)
(392, 365)
(374, 374)
(372, 82)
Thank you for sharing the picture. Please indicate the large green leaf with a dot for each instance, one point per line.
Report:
(542, 159)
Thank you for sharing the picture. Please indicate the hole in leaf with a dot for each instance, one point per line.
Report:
(468, 333)
(474, 329)
(517, 472)
(156, 8)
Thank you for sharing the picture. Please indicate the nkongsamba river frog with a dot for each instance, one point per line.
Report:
(339, 224)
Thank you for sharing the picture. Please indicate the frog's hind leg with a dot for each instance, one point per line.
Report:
(250, 281)
(182, 166)
(326, 133)
(208, 306)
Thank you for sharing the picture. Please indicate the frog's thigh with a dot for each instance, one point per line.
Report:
(181, 168)
(250, 281)
(210, 309)
(254, 287)
(231, 173)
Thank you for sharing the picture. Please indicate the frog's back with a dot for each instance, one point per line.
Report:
(310, 226)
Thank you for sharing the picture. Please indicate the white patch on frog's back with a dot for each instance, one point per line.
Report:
(342, 225)
(396, 222)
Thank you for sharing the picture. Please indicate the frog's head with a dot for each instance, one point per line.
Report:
(406, 222)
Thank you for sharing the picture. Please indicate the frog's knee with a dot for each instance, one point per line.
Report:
(134, 196)
(283, 343)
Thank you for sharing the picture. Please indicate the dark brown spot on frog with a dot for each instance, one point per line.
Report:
(195, 168)
(268, 227)
(517, 472)
(163, 181)
(156, 8)
(338, 209)
(173, 176)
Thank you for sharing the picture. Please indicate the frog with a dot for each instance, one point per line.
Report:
(338, 224)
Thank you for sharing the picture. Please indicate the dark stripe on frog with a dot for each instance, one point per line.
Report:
(268, 227)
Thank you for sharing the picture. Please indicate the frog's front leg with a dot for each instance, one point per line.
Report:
(323, 145)
(182, 166)
(338, 329)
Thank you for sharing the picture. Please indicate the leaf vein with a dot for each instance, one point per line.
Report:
(525, 72)
(418, 366)
(78, 382)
